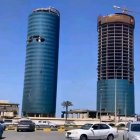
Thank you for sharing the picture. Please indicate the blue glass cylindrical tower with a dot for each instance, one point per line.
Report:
(115, 86)
(40, 82)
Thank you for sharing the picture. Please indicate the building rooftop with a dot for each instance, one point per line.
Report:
(6, 102)
(50, 10)
(117, 17)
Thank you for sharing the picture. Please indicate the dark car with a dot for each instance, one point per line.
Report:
(1, 130)
(3, 124)
(26, 125)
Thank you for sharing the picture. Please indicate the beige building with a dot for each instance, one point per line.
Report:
(8, 110)
(84, 114)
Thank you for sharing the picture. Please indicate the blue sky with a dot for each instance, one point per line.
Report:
(77, 73)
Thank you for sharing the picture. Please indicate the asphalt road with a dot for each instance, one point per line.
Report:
(38, 135)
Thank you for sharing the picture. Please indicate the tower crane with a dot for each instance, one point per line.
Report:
(124, 10)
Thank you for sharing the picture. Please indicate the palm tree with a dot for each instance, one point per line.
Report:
(66, 104)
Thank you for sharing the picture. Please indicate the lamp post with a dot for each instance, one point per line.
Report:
(125, 106)
(116, 93)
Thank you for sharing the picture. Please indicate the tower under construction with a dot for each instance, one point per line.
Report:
(115, 85)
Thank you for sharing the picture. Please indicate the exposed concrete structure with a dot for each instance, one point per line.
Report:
(115, 86)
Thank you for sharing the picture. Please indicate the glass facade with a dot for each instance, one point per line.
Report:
(116, 64)
(124, 96)
(40, 82)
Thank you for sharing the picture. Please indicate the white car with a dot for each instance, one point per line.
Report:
(93, 131)
(132, 131)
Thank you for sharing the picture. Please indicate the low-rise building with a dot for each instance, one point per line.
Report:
(78, 113)
(8, 110)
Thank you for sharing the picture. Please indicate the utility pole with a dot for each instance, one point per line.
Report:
(115, 103)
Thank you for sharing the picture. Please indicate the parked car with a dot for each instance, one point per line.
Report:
(8, 121)
(1, 130)
(93, 131)
(132, 131)
(44, 124)
(3, 124)
(26, 125)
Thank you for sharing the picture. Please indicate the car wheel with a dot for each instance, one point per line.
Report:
(83, 137)
(110, 137)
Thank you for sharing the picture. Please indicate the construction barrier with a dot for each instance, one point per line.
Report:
(61, 128)
(47, 129)
(10, 127)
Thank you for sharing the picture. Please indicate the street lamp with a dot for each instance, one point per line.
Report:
(116, 93)
(125, 106)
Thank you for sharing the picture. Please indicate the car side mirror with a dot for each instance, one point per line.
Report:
(91, 128)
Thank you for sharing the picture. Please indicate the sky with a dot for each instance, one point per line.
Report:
(77, 70)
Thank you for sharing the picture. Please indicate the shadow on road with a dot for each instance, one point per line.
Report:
(2, 138)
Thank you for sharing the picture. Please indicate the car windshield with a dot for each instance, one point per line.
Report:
(135, 127)
(86, 126)
(8, 121)
(25, 122)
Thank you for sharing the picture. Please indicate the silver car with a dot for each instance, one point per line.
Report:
(132, 131)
